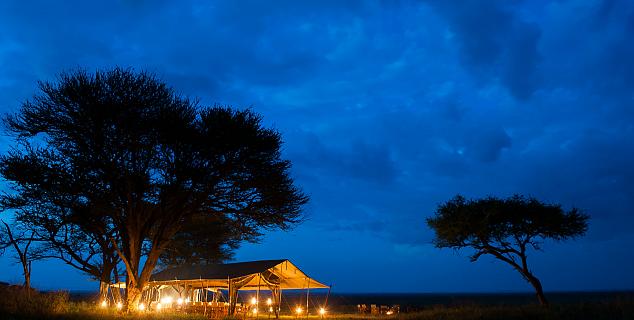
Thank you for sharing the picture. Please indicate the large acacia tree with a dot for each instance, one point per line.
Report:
(505, 229)
(121, 148)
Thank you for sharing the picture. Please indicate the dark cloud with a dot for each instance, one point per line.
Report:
(487, 144)
(521, 74)
(358, 160)
(496, 43)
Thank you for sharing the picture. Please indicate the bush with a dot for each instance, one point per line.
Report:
(18, 302)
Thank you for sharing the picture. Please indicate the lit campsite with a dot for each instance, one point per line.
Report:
(323, 160)
(199, 289)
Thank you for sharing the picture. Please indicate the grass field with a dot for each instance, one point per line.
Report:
(17, 304)
(577, 312)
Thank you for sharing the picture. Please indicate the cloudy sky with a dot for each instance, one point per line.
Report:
(387, 108)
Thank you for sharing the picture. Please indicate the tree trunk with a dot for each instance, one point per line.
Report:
(133, 298)
(103, 290)
(131, 257)
(136, 283)
(539, 291)
(26, 267)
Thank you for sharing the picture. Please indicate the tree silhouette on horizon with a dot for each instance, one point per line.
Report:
(505, 229)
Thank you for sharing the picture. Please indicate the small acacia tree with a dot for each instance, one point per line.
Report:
(121, 148)
(60, 226)
(21, 242)
(505, 229)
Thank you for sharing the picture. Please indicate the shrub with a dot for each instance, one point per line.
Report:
(18, 302)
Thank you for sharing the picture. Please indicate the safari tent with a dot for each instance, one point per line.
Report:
(202, 285)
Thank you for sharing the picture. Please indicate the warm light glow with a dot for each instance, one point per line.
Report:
(322, 311)
(119, 305)
(141, 306)
(254, 300)
(299, 310)
(269, 302)
(179, 301)
(187, 300)
(255, 310)
(158, 306)
(270, 309)
(167, 300)
(104, 304)
(389, 312)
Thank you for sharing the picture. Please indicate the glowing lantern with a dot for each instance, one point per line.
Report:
(254, 300)
(141, 306)
(299, 310)
(322, 311)
(269, 302)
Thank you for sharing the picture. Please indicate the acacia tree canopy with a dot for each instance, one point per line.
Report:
(129, 152)
(505, 229)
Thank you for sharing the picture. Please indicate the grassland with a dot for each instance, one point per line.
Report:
(17, 304)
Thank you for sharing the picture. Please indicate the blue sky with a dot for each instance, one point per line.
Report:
(387, 108)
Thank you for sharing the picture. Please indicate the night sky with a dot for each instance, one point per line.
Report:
(387, 109)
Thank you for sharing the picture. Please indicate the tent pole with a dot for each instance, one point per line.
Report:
(203, 288)
(278, 308)
(230, 296)
(257, 298)
(327, 296)
(307, 293)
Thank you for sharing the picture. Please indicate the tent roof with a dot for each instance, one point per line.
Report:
(215, 271)
(279, 272)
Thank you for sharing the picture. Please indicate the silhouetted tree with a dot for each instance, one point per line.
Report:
(47, 206)
(505, 229)
(144, 160)
(21, 243)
